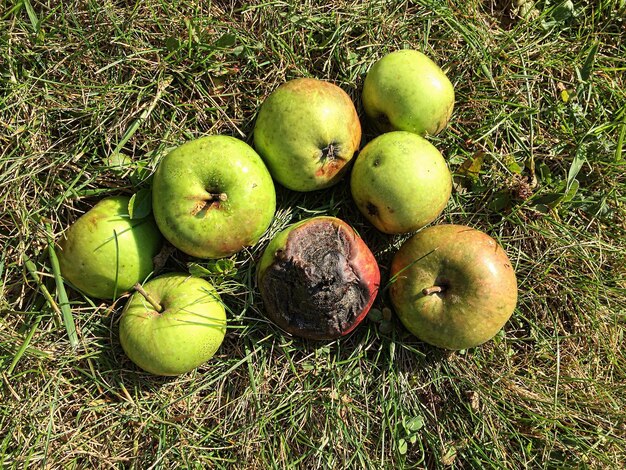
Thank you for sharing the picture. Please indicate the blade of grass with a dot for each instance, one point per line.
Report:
(22, 349)
(32, 16)
(66, 312)
(32, 269)
(620, 139)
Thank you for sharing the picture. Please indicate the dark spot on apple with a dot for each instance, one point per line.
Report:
(372, 209)
(312, 288)
(376, 162)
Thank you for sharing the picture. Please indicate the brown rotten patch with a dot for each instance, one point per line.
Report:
(322, 282)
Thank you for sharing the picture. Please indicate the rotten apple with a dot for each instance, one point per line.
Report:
(453, 286)
(318, 279)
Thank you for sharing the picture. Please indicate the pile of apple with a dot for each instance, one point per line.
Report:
(452, 286)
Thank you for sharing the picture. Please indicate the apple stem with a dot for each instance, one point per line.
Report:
(151, 300)
(432, 290)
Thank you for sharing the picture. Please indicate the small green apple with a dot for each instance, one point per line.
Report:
(173, 324)
(400, 182)
(105, 252)
(213, 196)
(407, 91)
(453, 286)
(307, 131)
(318, 279)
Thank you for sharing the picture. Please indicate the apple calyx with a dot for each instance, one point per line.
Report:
(151, 300)
(330, 152)
(222, 197)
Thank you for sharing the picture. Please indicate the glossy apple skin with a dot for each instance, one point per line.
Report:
(307, 131)
(405, 90)
(400, 182)
(104, 253)
(355, 273)
(480, 286)
(186, 334)
(189, 216)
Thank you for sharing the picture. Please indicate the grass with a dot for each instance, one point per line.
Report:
(93, 93)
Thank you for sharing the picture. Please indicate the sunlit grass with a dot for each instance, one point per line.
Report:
(91, 96)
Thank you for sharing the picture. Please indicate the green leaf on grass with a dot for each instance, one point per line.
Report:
(198, 271)
(585, 72)
(512, 165)
(402, 446)
(571, 192)
(415, 424)
(580, 158)
(375, 315)
(385, 327)
(501, 201)
(214, 267)
(544, 173)
(119, 162)
(472, 165)
(226, 40)
(140, 204)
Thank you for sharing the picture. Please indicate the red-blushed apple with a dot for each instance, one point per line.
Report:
(307, 131)
(400, 182)
(105, 252)
(213, 196)
(318, 279)
(453, 286)
(172, 324)
(406, 91)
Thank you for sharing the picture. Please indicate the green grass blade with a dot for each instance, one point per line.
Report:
(64, 304)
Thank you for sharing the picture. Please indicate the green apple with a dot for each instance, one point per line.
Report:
(453, 286)
(318, 279)
(400, 182)
(104, 253)
(407, 91)
(173, 324)
(307, 131)
(213, 196)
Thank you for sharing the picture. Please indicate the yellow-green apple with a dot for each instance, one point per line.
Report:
(213, 196)
(307, 131)
(453, 286)
(173, 324)
(105, 252)
(318, 279)
(406, 91)
(400, 182)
